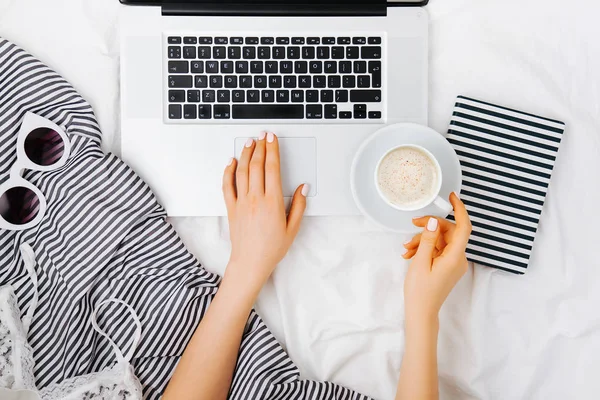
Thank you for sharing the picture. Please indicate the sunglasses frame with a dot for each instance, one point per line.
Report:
(30, 123)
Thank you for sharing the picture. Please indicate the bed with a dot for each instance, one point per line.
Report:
(336, 301)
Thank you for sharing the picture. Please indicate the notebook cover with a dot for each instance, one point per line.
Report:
(507, 157)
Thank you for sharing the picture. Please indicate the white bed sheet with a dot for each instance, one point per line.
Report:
(336, 302)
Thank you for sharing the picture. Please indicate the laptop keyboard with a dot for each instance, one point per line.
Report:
(311, 79)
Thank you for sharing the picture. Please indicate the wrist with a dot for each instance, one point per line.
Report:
(243, 278)
(422, 324)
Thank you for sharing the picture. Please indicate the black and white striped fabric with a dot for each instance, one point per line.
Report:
(507, 158)
(104, 235)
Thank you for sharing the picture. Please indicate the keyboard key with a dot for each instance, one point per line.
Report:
(256, 67)
(174, 40)
(205, 111)
(264, 53)
(238, 96)
(330, 67)
(345, 115)
(283, 40)
(345, 67)
(286, 67)
(308, 52)
(260, 81)
(375, 115)
(190, 40)
(205, 40)
(174, 52)
(197, 67)
(322, 53)
(278, 53)
(189, 111)
(237, 40)
(227, 67)
(193, 96)
(249, 53)
(275, 81)
(179, 67)
(341, 96)
(180, 81)
(219, 52)
(304, 81)
(208, 96)
(289, 81)
(234, 53)
(331, 111)
(364, 81)
(267, 40)
(316, 67)
(298, 40)
(313, 40)
(301, 67)
(253, 96)
(337, 53)
(241, 67)
(360, 114)
(293, 52)
(360, 67)
(216, 82)
(268, 96)
(326, 96)
(223, 96)
(177, 96)
(359, 40)
(375, 70)
(319, 81)
(314, 111)
(231, 81)
(283, 96)
(370, 52)
(349, 81)
(297, 96)
(374, 40)
(328, 40)
(212, 67)
(271, 67)
(334, 81)
(201, 81)
(360, 107)
(272, 111)
(174, 111)
(221, 40)
(312, 96)
(365, 96)
(222, 112)
(252, 40)
(352, 52)
(245, 81)
(344, 40)
(204, 52)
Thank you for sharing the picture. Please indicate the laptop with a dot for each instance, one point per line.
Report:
(198, 78)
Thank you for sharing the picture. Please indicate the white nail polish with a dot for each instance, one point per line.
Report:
(456, 194)
(249, 142)
(230, 161)
(262, 135)
(270, 137)
(305, 189)
(432, 225)
(407, 242)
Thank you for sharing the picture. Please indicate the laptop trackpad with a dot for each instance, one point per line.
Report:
(298, 163)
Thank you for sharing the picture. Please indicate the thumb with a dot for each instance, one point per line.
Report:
(429, 240)
(297, 210)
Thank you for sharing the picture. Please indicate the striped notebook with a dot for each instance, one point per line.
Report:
(507, 158)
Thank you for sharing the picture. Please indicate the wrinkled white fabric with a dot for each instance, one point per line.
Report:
(336, 301)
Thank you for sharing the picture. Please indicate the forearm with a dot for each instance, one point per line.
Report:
(418, 373)
(206, 368)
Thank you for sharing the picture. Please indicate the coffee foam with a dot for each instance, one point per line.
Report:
(408, 177)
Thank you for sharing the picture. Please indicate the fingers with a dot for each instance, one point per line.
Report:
(243, 168)
(414, 242)
(427, 247)
(445, 225)
(229, 186)
(297, 210)
(257, 166)
(462, 234)
(272, 167)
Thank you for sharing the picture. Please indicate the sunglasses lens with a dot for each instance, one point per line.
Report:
(44, 146)
(19, 205)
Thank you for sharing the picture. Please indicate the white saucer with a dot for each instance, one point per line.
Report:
(370, 152)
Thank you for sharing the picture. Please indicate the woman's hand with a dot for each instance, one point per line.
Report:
(438, 262)
(261, 234)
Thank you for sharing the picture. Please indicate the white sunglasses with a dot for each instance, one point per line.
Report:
(41, 146)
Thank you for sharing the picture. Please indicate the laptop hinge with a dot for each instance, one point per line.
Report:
(373, 8)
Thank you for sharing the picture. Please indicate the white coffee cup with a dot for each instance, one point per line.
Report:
(434, 198)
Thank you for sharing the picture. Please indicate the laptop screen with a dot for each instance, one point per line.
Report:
(158, 2)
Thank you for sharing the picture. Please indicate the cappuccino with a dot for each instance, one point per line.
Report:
(408, 177)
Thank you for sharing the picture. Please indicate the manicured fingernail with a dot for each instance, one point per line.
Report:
(230, 161)
(249, 142)
(305, 189)
(417, 218)
(432, 225)
(262, 136)
(270, 137)
(456, 194)
(407, 242)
